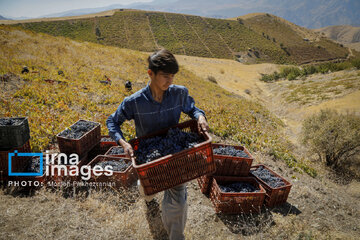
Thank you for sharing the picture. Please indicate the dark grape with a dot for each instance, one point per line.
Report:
(34, 165)
(118, 166)
(116, 151)
(269, 178)
(156, 147)
(229, 151)
(238, 187)
(77, 130)
(106, 139)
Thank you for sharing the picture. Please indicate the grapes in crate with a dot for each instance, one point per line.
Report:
(159, 146)
(269, 178)
(34, 165)
(237, 187)
(229, 151)
(117, 166)
(10, 121)
(78, 130)
(116, 151)
(106, 139)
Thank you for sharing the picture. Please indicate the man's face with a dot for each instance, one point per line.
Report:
(162, 80)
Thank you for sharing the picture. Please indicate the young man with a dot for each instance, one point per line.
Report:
(155, 107)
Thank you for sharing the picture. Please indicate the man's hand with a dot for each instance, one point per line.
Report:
(202, 124)
(128, 150)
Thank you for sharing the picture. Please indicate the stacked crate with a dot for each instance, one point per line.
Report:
(81, 146)
(120, 178)
(13, 137)
(238, 169)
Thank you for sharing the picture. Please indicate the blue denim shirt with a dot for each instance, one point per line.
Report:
(150, 115)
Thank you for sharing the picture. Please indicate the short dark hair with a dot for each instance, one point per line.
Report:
(163, 60)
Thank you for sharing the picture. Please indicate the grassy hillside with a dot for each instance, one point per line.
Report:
(258, 39)
(300, 45)
(51, 107)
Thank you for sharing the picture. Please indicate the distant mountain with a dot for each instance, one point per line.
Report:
(82, 11)
(346, 35)
(342, 34)
(306, 13)
(4, 18)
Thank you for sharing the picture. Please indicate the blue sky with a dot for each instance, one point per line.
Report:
(36, 8)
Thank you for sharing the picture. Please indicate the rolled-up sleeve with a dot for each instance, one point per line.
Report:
(115, 120)
(189, 106)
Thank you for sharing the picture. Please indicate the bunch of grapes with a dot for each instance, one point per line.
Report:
(77, 130)
(229, 151)
(238, 187)
(116, 151)
(118, 166)
(159, 146)
(269, 178)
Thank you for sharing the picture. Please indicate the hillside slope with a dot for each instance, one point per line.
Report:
(79, 94)
(316, 208)
(263, 39)
(302, 45)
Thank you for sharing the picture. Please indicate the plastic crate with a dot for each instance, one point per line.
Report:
(120, 178)
(14, 136)
(108, 152)
(227, 166)
(61, 177)
(205, 183)
(31, 179)
(82, 145)
(174, 169)
(236, 203)
(105, 144)
(17, 163)
(230, 165)
(101, 148)
(274, 196)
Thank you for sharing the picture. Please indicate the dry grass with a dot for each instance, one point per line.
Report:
(231, 75)
(316, 209)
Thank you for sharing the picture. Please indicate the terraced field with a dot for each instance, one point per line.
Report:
(294, 40)
(258, 39)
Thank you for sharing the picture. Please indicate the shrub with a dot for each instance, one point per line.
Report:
(356, 63)
(308, 70)
(291, 76)
(324, 68)
(333, 136)
(290, 72)
(266, 78)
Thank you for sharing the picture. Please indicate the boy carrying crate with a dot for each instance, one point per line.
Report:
(155, 107)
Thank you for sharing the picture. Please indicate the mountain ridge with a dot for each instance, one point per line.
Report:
(307, 13)
(196, 36)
